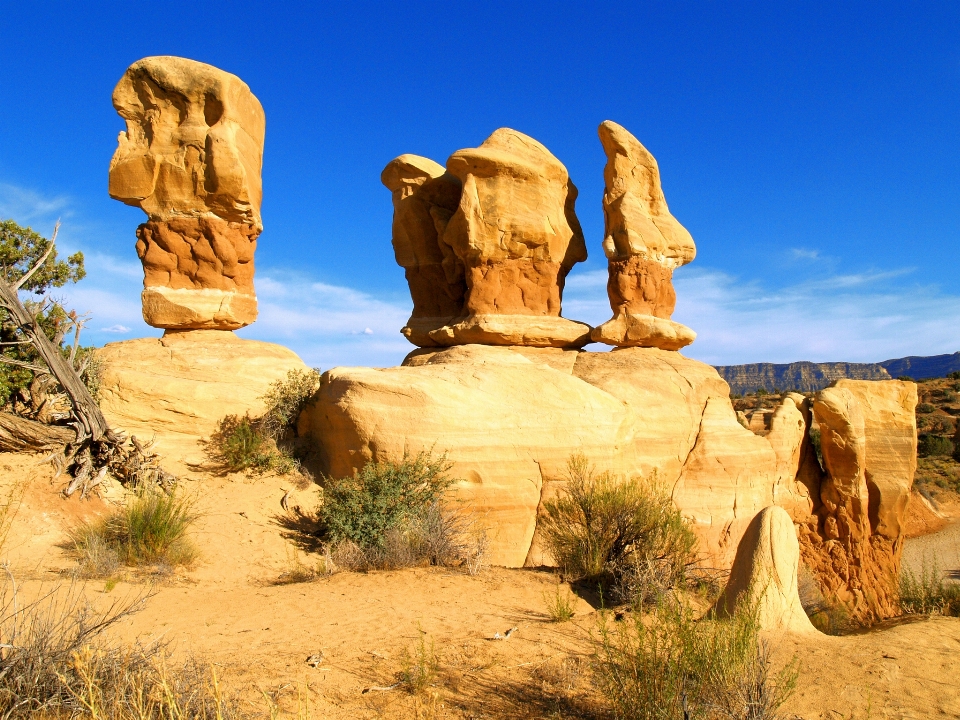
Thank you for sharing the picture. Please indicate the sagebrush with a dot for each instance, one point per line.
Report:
(394, 514)
(626, 532)
(928, 592)
(149, 529)
(668, 665)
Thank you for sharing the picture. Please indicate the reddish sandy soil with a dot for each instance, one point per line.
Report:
(228, 610)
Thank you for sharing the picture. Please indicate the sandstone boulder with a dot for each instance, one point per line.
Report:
(510, 418)
(516, 235)
(643, 243)
(763, 578)
(179, 386)
(425, 196)
(191, 158)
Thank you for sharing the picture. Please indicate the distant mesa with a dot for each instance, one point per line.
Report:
(191, 159)
(810, 377)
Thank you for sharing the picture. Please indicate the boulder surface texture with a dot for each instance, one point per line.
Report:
(190, 158)
(643, 243)
(763, 579)
(487, 244)
(509, 418)
(178, 387)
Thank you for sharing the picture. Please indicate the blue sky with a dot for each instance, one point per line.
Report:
(811, 149)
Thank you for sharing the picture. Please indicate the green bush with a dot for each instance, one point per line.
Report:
(149, 529)
(605, 528)
(285, 399)
(905, 378)
(925, 408)
(669, 665)
(954, 375)
(239, 444)
(381, 497)
(934, 446)
(928, 593)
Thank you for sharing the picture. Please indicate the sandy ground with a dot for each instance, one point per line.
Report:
(367, 626)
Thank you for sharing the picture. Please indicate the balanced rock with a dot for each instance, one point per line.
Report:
(517, 236)
(763, 579)
(191, 158)
(509, 418)
(643, 243)
(178, 387)
(425, 196)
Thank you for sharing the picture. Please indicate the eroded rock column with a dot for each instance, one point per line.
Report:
(644, 244)
(517, 236)
(191, 158)
(425, 196)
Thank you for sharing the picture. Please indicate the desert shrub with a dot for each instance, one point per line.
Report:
(149, 529)
(601, 527)
(669, 665)
(419, 667)
(285, 399)
(393, 514)
(239, 444)
(905, 378)
(382, 496)
(560, 604)
(56, 663)
(817, 445)
(934, 446)
(939, 424)
(925, 408)
(928, 593)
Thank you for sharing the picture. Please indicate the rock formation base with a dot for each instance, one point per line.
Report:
(179, 386)
(201, 309)
(626, 330)
(528, 330)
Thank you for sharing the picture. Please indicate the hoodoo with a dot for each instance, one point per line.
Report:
(190, 158)
(644, 244)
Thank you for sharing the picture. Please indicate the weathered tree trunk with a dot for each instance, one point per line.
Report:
(18, 434)
(85, 408)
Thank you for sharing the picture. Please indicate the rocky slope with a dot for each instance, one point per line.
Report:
(809, 376)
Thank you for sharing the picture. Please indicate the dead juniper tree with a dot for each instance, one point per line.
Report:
(85, 447)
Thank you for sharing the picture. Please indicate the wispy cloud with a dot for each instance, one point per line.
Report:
(30, 207)
(116, 329)
(804, 254)
(858, 317)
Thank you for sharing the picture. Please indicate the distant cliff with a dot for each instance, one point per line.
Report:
(923, 367)
(802, 376)
(810, 376)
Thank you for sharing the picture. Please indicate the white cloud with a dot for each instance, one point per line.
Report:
(27, 207)
(865, 317)
(116, 329)
(804, 254)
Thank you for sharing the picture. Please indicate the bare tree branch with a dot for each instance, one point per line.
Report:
(21, 363)
(37, 265)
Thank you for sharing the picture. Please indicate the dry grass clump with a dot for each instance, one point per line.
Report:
(148, 530)
(669, 665)
(393, 515)
(928, 593)
(55, 662)
(625, 533)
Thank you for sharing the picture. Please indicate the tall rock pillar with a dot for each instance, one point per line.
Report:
(191, 158)
(643, 243)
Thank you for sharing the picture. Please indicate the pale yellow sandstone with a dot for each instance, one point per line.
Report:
(178, 387)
